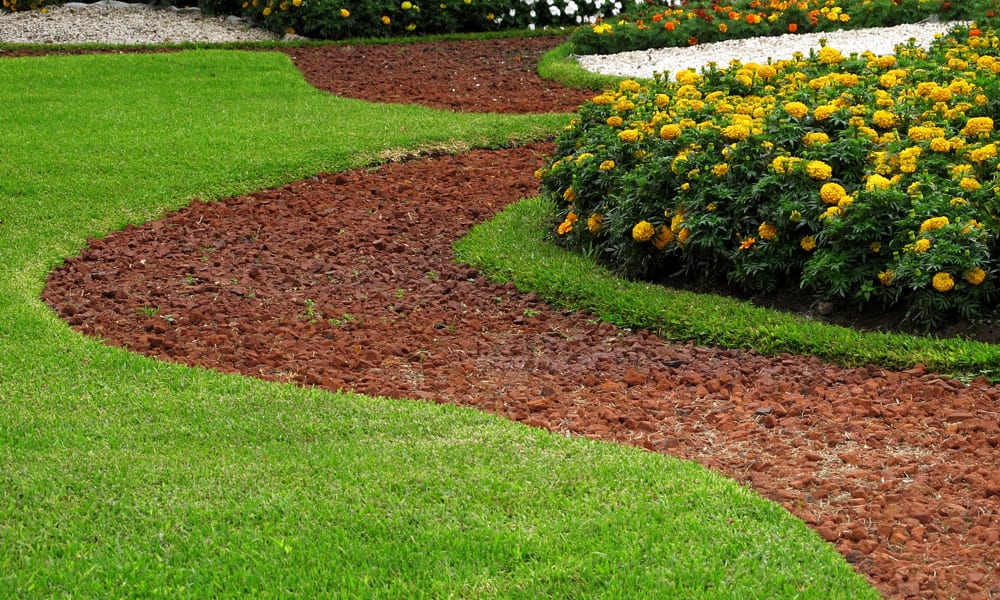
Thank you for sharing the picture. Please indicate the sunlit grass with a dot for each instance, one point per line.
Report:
(127, 476)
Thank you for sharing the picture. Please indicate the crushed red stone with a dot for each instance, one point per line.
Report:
(348, 281)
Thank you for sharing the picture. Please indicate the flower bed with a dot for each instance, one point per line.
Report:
(865, 180)
(691, 22)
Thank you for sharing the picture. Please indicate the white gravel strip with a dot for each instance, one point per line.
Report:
(644, 63)
(109, 22)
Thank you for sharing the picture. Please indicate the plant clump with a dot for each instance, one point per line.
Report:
(341, 19)
(865, 180)
(692, 22)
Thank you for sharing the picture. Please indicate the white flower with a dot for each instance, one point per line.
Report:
(571, 7)
(555, 11)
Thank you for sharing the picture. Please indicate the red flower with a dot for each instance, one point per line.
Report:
(793, 27)
(975, 33)
(669, 25)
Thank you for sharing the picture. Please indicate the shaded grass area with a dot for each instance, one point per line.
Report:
(126, 476)
(515, 246)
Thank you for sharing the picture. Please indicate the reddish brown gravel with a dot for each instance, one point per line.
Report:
(347, 281)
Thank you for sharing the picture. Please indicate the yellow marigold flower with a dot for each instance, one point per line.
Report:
(406, 5)
(569, 195)
(982, 154)
(868, 132)
(975, 276)
(832, 211)
(796, 109)
(629, 135)
(720, 169)
(818, 169)
(829, 56)
(567, 225)
(956, 201)
(943, 282)
(815, 137)
(795, 216)
(629, 85)
(922, 245)
(624, 105)
(583, 157)
(737, 131)
(267, 11)
(386, 20)
(607, 165)
(884, 119)
(643, 231)
(661, 100)
(614, 121)
(939, 144)
(711, 207)
(670, 131)
(296, 3)
(343, 12)
(940, 94)
(682, 236)
(808, 243)
(824, 111)
(606, 98)
(887, 277)
(977, 126)
(969, 184)
(602, 28)
(748, 243)
(973, 224)
(886, 61)
(663, 237)
(876, 247)
(920, 133)
(831, 193)
(677, 222)
(845, 201)
(594, 223)
(877, 182)
(934, 223)
(767, 231)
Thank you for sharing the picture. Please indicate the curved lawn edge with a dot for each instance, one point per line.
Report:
(513, 247)
(125, 472)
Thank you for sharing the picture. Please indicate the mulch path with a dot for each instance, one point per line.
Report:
(347, 281)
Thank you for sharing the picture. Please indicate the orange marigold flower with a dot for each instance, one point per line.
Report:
(663, 237)
(767, 231)
(943, 282)
(594, 223)
(643, 231)
(975, 276)
(808, 243)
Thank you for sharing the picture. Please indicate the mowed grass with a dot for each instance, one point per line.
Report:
(123, 476)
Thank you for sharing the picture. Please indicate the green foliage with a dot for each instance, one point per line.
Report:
(692, 22)
(516, 247)
(864, 179)
(342, 19)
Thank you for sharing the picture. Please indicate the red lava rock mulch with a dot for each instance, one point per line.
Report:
(347, 281)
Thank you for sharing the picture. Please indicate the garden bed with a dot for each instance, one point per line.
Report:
(347, 281)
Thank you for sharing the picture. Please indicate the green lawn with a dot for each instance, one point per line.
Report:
(123, 476)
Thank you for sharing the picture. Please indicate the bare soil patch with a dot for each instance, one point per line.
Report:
(348, 281)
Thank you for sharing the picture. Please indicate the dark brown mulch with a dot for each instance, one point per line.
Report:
(347, 281)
